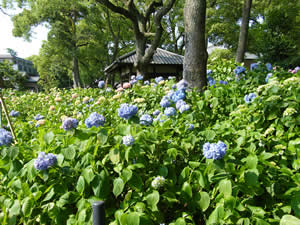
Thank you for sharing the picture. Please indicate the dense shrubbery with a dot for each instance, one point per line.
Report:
(155, 172)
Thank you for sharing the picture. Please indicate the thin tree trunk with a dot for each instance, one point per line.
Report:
(240, 53)
(195, 58)
(75, 72)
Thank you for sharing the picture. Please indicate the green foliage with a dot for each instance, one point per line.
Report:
(219, 54)
(10, 78)
(257, 182)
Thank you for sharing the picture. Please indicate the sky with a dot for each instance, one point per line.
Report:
(23, 48)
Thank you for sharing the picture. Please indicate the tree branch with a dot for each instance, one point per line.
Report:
(117, 9)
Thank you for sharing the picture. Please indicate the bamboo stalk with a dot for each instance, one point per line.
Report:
(8, 119)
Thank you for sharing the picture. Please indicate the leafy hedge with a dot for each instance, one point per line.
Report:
(257, 181)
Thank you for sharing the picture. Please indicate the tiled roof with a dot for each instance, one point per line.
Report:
(161, 56)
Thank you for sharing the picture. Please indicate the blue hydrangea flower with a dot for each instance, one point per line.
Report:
(44, 161)
(182, 85)
(171, 77)
(158, 79)
(146, 82)
(214, 150)
(159, 118)
(208, 72)
(156, 112)
(170, 111)
(184, 107)
(239, 69)
(139, 77)
(128, 140)
(14, 113)
(69, 123)
(38, 117)
(180, 103)
(126, 111)
(132, 82)
(250, 97)
(190, 126)
(269, 66)
(211, 82)
(158, 182)
(90, 100)
(94, 119)
(174, 86)
(254, 66)
(268, 77)
(101, 84)
(178, 95)
(5, 137)
(165, 102)
(146, 119)
(223, 82)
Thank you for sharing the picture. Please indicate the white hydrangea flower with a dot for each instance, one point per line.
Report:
(158, 182)
(289, 111)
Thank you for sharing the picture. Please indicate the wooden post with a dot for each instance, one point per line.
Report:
(8, 119)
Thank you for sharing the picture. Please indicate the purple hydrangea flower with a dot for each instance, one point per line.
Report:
(146, 119)
(139, 77)
(5, 137)
(126, 111)
(184, 107)
(69, 123)
(180, 103)
(254, 66)
(269, 66)
(44, 161)
(182, 85)
(178, 95)
(158, 79)
(171, 77)
(223, 82)
(214, 150)
(268, 77)
(156, 112)
(128, 140)
(14, 113)
(250, 97)
(165, 102)
(38, 117)
(101, 84)
(94, 119)
(174, 86)
(190, 126)
(170, 111)
(208, 72)
(146, 82)
(211, 82)
(239, 69)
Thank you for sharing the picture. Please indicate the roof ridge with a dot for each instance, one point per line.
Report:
(173, 53)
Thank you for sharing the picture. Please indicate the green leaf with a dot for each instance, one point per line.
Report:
(15, 209)
(133, 218)
(251, 177)
(204, 201)
(295, 203)
(102, 136)
(187, 190)
(209, 134)
(49, 137)
(126, 174)
(163, 171)
(136, 182)
(100, 185)
(172, 152)
(69, 152)
(114, 156)
(152, 200)
(180, 221)
(80, 185)
(216, 216)
(194, 165)
(289, 220)
(200, 104)
(82, 217)
(118, 186)
(49, 195)
(27, 206)
(251, 161)
(225, 187)
(88, 175)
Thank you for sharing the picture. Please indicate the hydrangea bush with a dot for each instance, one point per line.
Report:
(207, 158)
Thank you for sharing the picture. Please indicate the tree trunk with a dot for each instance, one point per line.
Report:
(75, 72)
(140, 52)
(195, 58)
(240, 53)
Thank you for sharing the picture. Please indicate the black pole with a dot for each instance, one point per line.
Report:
(98, 213)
